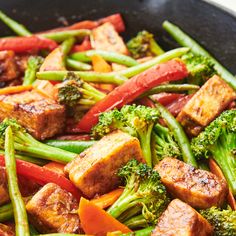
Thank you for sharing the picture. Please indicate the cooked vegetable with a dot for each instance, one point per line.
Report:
(15, 89)
(15, 26)
(131, 89)
(107, 199)
(6, 212)
(33, 64)
(215, 169)
(200, 68)
(219, 141)
(179, 134)
(186, 41)
(223, 221)
(43, 175)
(118, 77)
(77, 65)
(20, 215)
(100, 65)
(74, 91)
(63, 35)
(75, 146)
(26, 44)
(96, 221)
(138, 121)
(144, 197)
(108, 56)
(144, 45)
(164, 144)
(25, 143)
(171, 88)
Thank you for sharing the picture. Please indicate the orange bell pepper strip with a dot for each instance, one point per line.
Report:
(100, 65)
(215, 169)
(96, 221)
(15, 89)
(107, 199)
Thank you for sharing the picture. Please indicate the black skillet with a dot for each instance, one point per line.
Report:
(214, 28)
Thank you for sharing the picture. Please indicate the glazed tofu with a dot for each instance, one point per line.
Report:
(106, 38)
(182, 220)
(4, 196)
(8, 67)
(94, 171)
(41, 116)
(198, 188)
(7, 230)
(54, 210)
(206, 104)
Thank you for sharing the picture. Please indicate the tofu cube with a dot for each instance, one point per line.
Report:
(54, 210)
(95, 171)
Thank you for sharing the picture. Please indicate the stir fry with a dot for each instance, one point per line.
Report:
(106, 137)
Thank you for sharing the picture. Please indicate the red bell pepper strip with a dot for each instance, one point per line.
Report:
(26, 44)
(132, 88)
(146, 102)
(116, 20)
(43, 176)
(84, 46)
(166, 98)
(176, 106)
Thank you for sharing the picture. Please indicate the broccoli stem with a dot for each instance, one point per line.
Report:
(136, 222)
(145, 140)
(179, 135)
(186, 41)
(225, 158)
(25, 143)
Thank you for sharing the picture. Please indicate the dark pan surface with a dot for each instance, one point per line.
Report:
(214, 28)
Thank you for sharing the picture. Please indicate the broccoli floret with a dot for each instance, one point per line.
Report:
(75, 92)
(164, 144)
(219, 141)
(28, 145)
(144, 197)
(138, 121)
(144, 45)
(223, 221)
(200, 68)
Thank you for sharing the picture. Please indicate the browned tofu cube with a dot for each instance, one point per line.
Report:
(106, 38)
(199, 188)
(4, 196)
(41, 116)
(95, 171)
(179, 219)
(213, 97)
(7, 230)
(54, 210)
(8, 67)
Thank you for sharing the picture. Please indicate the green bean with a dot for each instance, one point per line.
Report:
(171, 88)
(39, 162)
(67, 45)
(108, 56)
(77, 65)
(142, 232)
(33, 65)
(6, 212)
(179, 134)
(71, 145)
(132, 71)
(19, 29)
(185, 40)
(20, 215)
(63, 35)
(114, 77)
(110, 78)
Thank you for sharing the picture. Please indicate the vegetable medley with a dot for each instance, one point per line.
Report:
(104, 137)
